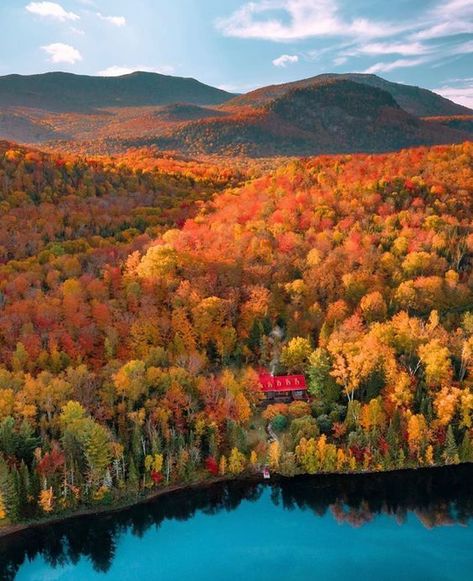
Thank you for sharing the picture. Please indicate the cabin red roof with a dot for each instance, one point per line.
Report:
(270, 382)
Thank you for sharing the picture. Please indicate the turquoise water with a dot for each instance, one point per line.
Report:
(382, 528)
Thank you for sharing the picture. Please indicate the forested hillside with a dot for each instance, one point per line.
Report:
(414, 100)
(140, 295)
(59, 91)
(320, 115)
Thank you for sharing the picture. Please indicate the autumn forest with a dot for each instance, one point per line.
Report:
(141, 294)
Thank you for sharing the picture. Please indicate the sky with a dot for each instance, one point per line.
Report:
(239, 45)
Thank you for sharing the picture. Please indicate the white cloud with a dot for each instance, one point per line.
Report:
(435, 54)
(340, 60)
(443, 29)
(462, 94)
(409, 40)
(448, 18)
(115, 20)
(62, 53)
(51, 10)
(77, 31)
(285, 59)
(383, 48)
(302, 19)
(117, 70)
(463, 48)
(397, 64)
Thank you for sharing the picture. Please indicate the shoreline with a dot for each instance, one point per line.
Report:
(17, 528)
(9, 531)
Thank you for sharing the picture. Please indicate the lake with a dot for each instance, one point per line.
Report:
(399, 526)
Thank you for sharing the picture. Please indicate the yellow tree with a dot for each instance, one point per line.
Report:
(222, 466)
(417, 433)
(236, 462)
(274, 454)
(46, 500)
(437, 364)
(295, 355)
(445, 403)
(130, 380)
(3, 512)
(373, 416)
(306, 455)
(466, 406)
(353, 362)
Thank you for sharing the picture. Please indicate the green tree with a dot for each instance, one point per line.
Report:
(97, 451)
(466, 449)
(451, 451)
(295, 355)
(321, 383)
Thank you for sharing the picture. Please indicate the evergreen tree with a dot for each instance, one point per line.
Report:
(133, 478)
(23, 489)
(466, 449)
(8, 492)
(451, 451)
(27, 442)
(8, 436)
(3, 510)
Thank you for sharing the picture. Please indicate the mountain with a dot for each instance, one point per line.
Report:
(460, 122)
(19, 127)
(415, 100)
(325, 114)
(186, 112)
(330, 116)
(66, 92)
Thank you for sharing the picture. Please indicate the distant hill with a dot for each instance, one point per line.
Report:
(331, 116)
(325, 114)
(17, 127)
(460, 122)
(78, 93)
(186, 112)
(415, 100)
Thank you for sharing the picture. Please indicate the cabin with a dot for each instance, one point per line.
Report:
(282, 388)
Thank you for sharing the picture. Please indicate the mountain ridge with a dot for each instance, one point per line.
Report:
(324, 114)
(415, 100)
(333, 116)
(62, 92)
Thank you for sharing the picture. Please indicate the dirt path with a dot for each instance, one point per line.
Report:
(272, 434)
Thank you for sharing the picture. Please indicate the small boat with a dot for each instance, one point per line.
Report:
(266, 474)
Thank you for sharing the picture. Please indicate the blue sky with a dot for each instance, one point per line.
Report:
(240, 45)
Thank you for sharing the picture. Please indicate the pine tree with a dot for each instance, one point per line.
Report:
(213, 445)
(392, 440)
(133, 478)
(8, 492)
(23, 481)
(3, 510)
(466, 449)
(451, 451)
(401, 458)
(34, 489)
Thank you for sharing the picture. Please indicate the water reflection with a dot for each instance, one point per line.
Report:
(436, 497)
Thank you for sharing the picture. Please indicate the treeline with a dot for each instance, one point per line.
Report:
(130, 358)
